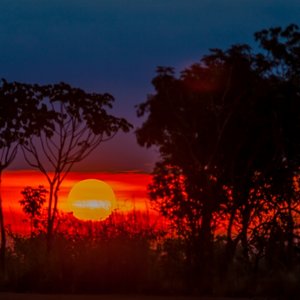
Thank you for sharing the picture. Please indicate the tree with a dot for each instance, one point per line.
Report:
(280, 64)
(32, 203)
(190, 119)
(21, 116)
(224, 124)
(272, 162)
(169, 195)
(81, 125)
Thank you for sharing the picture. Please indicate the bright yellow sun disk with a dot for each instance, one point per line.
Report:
(91, 199)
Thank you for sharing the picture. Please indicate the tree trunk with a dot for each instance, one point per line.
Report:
(50, 219)
(52, 211)
(230, 247)
(2, 232)
(244, 232)
(206, 249)
(290, 235)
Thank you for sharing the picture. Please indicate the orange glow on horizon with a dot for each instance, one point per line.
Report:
(130, 190)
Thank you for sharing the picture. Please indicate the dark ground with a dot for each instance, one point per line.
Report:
(15, 296)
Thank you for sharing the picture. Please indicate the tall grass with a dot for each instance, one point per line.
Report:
(132, 253)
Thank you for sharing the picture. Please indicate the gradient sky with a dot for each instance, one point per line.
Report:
(129, 189)
(115, 46)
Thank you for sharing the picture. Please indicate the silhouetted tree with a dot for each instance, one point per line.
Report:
(21, 116)
(276, 159)
(227, 123)
(32, 203)
(262, 198)
(169, 193)
(190, 120)
(82, 124)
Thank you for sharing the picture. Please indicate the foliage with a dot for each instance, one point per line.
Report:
(107, 256)
(22, 115)
(33, 200)
(80, 125)
(32, 203)
(121, 261)
(227, 132)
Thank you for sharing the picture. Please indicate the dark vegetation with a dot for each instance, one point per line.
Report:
(55, 126)
(227, 184)
(86, 257)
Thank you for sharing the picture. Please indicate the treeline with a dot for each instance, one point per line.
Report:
(117, 255)
(134, 253)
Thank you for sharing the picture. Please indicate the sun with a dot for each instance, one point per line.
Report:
(91, 199)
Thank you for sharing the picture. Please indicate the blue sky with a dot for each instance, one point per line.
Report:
(115, 46)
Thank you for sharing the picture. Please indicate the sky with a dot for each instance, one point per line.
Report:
(129, 189)
(115, 46)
